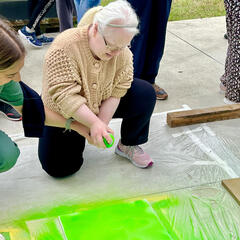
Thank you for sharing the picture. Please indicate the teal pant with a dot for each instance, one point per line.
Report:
(9, 152)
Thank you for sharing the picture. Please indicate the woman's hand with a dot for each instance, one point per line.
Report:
(98, 131)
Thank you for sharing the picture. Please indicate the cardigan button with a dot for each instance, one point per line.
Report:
(97, 65)
(95, 105)
(94, 86)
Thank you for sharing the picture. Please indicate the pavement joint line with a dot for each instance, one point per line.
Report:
(196, 48)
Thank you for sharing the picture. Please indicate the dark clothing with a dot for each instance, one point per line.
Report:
(33, 122)
(231, 77)
(60, 152)
(37, 9)
(65, 11)
(148, 45)
(33, 115)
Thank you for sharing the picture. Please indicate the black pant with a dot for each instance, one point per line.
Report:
(37, 9)
(148, 46)
(60, 152)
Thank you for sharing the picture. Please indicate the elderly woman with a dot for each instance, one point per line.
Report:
(88, 78)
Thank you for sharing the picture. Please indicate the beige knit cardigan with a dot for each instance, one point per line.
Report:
(72, 76)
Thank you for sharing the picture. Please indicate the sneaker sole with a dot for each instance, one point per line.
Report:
(120, 153)
(161, 98)
(12, 119)
(26, 39)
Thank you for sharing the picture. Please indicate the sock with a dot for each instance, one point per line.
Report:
(29, 30)
(39, 36)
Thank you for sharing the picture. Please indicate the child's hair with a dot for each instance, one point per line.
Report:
(11, 47)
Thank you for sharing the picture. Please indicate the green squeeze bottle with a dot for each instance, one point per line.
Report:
(108, 145)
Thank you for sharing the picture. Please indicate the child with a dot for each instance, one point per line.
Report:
(21, 97)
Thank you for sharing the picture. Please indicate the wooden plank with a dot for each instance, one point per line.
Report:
(233, 186)
(183, 118)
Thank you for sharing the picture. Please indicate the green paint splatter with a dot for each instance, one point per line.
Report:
(135, 220)
(178, 218)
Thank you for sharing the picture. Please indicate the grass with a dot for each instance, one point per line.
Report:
(190, 9)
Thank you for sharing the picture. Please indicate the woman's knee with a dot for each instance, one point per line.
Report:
(145, 94)
(61, 154)
(63, 168)
(8, 157)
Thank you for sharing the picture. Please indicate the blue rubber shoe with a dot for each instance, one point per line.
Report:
(45, 40)
(30, 37)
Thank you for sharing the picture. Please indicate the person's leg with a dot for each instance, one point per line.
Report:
(65, 9)
(156, 39)
(77, 7)
(9, 152)
(38, 13)
(231, 78)
(60, 153)
(136, 109)
(31, 32)
(139, 43)
(32, 4)
(83, 5)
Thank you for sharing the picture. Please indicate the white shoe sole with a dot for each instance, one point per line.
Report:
(27, 40)
(11, 119)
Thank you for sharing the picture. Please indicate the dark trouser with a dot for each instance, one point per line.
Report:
(37, 9)
(65, 11)
(60, 152)
(148, 45)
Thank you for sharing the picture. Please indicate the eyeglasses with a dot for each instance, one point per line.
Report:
(112, 48)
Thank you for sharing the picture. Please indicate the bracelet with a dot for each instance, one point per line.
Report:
(68, 124)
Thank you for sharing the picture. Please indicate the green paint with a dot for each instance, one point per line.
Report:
(133, 221)
(183, 218)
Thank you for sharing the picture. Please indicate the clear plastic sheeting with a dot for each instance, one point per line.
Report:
(190, 163)
(204, 212)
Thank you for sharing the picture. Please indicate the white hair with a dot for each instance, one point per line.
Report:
(119, 11)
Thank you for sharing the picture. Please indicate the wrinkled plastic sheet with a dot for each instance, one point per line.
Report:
(189, 201)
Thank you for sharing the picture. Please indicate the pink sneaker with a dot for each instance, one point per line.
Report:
(135, 154)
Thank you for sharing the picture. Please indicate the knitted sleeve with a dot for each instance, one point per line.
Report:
(124, 76)
(64, 82)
